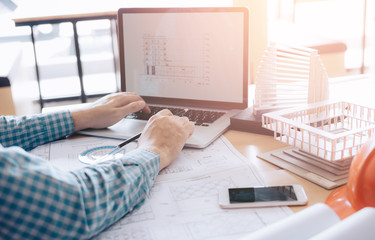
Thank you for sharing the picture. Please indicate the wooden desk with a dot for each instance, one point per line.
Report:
(250, 145)
(357, 89)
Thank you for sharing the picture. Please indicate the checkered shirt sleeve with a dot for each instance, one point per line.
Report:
(39, 201)
(29, 132)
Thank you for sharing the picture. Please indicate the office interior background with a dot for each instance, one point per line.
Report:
(343, 31)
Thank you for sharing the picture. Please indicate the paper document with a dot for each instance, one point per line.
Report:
(64, 153)
(320, 222)
(188, 209)
(183, 203)
(302, 225)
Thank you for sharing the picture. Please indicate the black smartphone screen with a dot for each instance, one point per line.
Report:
(262, 194)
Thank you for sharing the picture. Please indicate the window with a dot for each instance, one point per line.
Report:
(328, 21)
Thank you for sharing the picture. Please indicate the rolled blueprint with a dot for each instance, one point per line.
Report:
(302, 225)
(360, 225)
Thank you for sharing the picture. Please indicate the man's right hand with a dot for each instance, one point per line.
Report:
(166, 135)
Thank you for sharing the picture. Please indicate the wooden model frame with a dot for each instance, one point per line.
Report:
(330, 130)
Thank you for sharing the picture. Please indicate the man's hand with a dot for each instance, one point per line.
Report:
(166, 135)
(108, 110)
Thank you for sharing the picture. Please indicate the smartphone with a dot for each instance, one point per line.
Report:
(262, 196)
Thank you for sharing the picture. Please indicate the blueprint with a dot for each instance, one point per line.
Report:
(183, 203)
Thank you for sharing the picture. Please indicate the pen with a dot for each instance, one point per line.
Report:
(131, 139)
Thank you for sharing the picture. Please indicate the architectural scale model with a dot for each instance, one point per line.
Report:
(331, 130)
(289, 76)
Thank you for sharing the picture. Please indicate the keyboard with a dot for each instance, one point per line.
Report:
(199, 117)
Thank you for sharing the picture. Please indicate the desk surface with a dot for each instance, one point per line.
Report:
(357, 89)
(250, 144)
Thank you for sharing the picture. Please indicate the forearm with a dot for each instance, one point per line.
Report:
(38, 200)
(29, 132)
(121, 185)
(82, 119)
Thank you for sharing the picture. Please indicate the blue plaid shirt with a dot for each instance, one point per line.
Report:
(40, 201)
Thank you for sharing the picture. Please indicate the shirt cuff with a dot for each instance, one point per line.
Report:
(148, 160)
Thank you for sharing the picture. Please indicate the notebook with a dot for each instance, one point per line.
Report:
(190, 60)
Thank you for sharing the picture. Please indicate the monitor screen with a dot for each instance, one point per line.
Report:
(197, 54)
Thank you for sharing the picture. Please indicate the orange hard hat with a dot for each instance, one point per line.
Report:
(359, 192)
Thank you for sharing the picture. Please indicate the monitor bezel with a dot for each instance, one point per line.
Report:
(180, 101)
